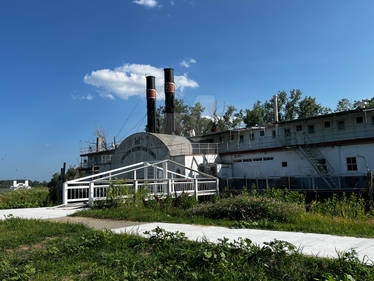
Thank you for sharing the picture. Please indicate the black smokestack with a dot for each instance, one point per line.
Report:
(151, 104)
(169, 101)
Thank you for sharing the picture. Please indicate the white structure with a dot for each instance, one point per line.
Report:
(20, 185)
(159, 178)
(327, 152)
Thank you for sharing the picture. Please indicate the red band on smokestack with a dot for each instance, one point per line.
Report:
(151, 94)
(169, 87)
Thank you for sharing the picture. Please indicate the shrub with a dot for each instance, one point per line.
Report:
(247, 207)
(25, 198)
(347, 207)
(119, 195)
(285, 195)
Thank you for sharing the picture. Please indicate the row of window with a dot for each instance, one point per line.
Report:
(310, 129)
(351, 162)
(255, 159)
(327, 125)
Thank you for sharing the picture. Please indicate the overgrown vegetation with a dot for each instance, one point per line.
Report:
(272, 209)
(25, 198)
(38, 250)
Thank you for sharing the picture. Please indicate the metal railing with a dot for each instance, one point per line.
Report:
(295, 138)
(204, 148)
(143, 175)
(345, 182)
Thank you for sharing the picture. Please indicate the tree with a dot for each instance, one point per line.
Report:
(230, 119)
(344, 105)
(253, 117)
(308, 107)
(365, 103)
(292, 104)
(71, 173)
(187, 118)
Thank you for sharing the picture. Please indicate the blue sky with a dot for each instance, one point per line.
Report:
(70, 67)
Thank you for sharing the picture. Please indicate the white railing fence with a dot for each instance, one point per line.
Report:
(158, 178)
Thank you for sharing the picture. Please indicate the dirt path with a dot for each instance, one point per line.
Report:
(99, 224)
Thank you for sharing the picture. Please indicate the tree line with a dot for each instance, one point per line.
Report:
(291, 105)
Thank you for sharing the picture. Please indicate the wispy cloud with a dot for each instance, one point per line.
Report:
(146, 3)
(129, 80)
(88, 97)
(187, 63)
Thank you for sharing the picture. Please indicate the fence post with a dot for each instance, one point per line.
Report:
(169, 186)
(267, 183)
(136, 186)
(165, 170)
(91, 193)
(196, 188)
(64, 193)
(371, 183)
(217, 186)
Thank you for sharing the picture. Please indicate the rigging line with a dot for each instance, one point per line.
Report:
(137, 124)
(128, 117)
(137, 128)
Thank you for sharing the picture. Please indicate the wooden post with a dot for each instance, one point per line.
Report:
(59, 187)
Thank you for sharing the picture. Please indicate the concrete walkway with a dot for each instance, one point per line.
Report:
(41, 213)
(321, 245)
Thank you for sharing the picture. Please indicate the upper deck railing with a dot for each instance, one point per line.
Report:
(204, 148)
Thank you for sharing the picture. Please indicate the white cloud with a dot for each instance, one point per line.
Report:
(129, 80)
(187, 63)
(147, 3)
(88, 97)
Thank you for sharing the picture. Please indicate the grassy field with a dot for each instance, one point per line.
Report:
(4, 190)
(28, 198)
(36, 250)
(278, 211)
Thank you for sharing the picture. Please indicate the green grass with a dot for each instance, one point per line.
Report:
(25, 198)
(38, 250)
(244, 211)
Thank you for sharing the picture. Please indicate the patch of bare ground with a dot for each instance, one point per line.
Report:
(25, 249)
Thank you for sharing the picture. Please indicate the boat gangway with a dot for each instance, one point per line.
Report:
(159, 178)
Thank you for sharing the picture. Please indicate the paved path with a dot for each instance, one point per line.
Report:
(40, 213)
(321, 245)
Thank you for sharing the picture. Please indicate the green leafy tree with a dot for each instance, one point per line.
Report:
(253, 117)
(344, 105)
(308, 107)
(71, 173)
(230, 119)
(365, 103)
(292, 105)
(187, 118)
